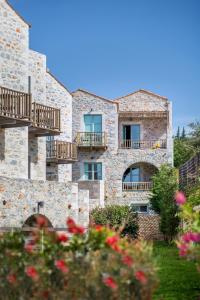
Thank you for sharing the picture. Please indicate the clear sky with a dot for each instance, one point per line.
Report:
(114, 47)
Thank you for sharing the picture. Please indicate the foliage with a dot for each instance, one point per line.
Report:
(94, 265)
(195, 134)
(178, 278)
(193, 195)
(183, 151)
(119, 217)
(165, 185)
(189, 240)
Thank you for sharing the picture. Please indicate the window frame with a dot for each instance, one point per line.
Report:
(94, 172)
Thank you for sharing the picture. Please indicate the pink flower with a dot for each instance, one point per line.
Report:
(183, 249)
(61, 265)
(63, 238)
(11, 278)
(191, 237)
(73, 228)
(110, 282)
(128, 260)
(112, 240)
(140, 276)
(180, 198)
(32, 272)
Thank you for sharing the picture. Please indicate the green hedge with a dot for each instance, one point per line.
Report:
(119, 217)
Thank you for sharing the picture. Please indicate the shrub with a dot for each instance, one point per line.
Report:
(119, 217)
(189, 239)
(193, 195)
(97, 265)
(165, 184)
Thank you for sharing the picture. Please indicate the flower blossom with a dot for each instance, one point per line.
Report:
(61, 265)
(183, 249)
(110, 282)
(127, 260)
(140, 276)
(73, 228)
(41, 221)
(180, 198)
(112, 241)
(11, 278)
(32, 272)
(62, 238)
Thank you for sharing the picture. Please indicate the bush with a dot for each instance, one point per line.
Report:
(193, 195)
(189, 239)
(97, 265)
(165, 185)
(122, 218)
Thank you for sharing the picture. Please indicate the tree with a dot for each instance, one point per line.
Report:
(195, 134)
(183, 135)
(183, 151)
(165, 185)
(178, 133)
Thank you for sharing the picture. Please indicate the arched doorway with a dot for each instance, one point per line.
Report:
(138, 177)
(32, 221)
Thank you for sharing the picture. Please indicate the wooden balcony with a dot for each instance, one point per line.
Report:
(15, 108)
(45, 120)
(136, 186)
(144, 114)
(144, 144)
(61, 152)
(91, 140)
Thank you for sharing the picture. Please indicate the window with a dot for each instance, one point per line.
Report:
(141, 208)
(131, 136)
(132, 175)
(93, 123)
(93, 171)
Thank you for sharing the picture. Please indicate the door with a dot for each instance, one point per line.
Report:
(131, 136)
(93, 129)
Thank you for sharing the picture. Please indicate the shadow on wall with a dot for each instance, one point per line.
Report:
(2, 144)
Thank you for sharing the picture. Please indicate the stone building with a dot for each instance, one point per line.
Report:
(36, 149)
(121, 144)
(62, 153)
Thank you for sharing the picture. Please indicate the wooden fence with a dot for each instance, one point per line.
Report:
(189, 172)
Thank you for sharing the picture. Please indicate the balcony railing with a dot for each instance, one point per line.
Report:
(91, 139)
(16, 106)
(144, 144)
(46, 119)
(136, 186)
(61, 152)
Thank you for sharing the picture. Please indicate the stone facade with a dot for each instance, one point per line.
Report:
(115, 160)
(23, 159)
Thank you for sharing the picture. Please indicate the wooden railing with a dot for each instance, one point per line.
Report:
(136, 186)
(91, 139)
(14, 104)
(46, 117)
(144, 144)
(61, 150)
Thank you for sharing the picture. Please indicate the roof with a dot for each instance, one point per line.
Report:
(17, 13)
(143, 91)
(58, 81)
(102, 98)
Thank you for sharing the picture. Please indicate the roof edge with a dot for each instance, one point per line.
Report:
(58, 81)
(144, 91)
(102, 98)
(29, 25)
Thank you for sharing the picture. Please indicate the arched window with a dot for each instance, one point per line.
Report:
(132, 174)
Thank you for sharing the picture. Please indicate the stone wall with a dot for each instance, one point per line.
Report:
(14, 41)
(59, 97)
(19, 198)
(114, 160)
(96, 192)
(149, 227)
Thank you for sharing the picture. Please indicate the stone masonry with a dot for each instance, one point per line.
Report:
(115, 160)
(23, 166)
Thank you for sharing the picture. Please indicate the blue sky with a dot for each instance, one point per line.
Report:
(114, 47)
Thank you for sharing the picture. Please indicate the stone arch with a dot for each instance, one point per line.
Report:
(142, 171)
(31, 221)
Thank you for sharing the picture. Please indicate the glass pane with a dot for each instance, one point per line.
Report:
(127, 176)
(93, 123)
(135, 175)
(135, 132)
